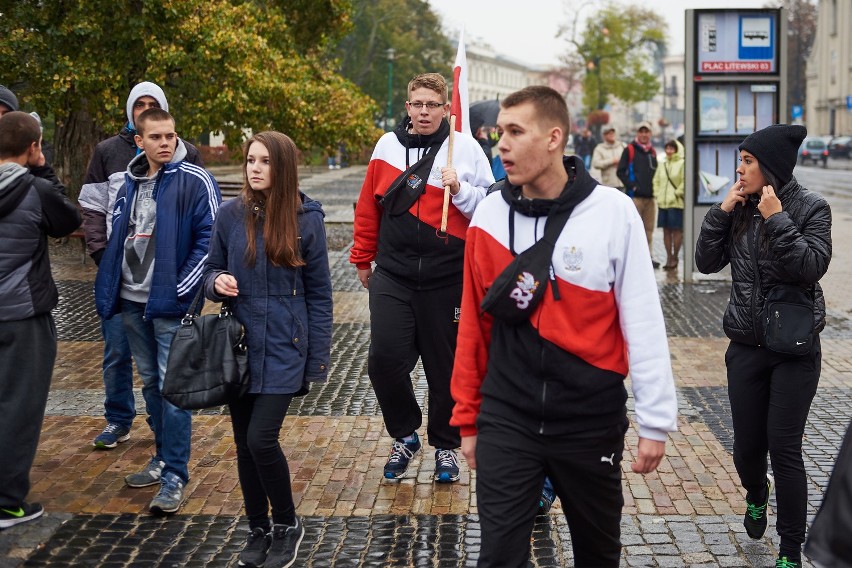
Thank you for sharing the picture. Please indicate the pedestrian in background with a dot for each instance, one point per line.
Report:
(584, 146)
(636, 171)
(149, 272)
(669, 189)
(415, 291)
(546, 397)
(606, 157)
(268, 257)
(772, 231)
(32, 207)
(104, 177)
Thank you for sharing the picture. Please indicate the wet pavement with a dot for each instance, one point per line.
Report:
(688, 513)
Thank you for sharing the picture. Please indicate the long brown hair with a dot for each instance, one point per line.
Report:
(278, 215)
(743, 217)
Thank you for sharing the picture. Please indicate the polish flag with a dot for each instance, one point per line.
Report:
(459, 102)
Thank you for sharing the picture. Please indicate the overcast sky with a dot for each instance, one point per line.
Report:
(526, 30)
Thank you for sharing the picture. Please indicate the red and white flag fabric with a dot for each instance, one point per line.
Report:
(459, 101)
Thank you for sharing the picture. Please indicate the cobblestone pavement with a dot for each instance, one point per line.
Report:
(688, 513)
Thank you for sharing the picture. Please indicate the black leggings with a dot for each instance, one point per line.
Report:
(770, 398)
(262, 467)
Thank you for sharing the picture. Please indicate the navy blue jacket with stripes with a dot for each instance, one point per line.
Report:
(188, 200)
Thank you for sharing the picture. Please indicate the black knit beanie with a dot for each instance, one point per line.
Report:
(776, 147)
(8, 98)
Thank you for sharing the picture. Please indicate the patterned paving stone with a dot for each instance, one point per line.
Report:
(828, 419)
(387, 540)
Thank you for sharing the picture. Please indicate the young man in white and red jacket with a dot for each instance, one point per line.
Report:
(546, 397)
(415, 290)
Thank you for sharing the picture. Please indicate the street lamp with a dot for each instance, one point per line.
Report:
(390, 54)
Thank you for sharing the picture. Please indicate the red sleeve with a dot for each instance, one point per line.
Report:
(368, 215)
(474, 339)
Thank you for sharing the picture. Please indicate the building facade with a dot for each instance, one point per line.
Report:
(829, 71)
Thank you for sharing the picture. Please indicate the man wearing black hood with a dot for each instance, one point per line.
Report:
(544, 394)
(104, 178)
(415, 291)
(31, 209)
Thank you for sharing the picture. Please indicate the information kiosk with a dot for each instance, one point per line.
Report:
(736, 60)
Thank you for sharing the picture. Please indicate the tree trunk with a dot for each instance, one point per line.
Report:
(76, 138)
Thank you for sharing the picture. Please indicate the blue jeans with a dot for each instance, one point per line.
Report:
(119, 405)
(150, 341)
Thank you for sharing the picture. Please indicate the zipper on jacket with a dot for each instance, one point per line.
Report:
(752, 238)
(543, 385)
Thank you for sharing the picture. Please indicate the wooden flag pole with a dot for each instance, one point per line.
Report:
(446, 208)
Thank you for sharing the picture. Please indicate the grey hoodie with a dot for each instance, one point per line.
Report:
(137, 266)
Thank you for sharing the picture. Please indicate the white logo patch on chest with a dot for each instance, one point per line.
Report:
(573, 259)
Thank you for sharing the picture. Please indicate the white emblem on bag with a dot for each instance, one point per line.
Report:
(801, 342)
(524, 291)
(608, 459)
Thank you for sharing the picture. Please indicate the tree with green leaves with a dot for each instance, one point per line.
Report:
(226, 65)
(412, 30)
(617, 47)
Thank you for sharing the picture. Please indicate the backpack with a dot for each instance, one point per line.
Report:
(631, 153)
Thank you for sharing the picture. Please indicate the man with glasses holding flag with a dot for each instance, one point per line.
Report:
(415, 289)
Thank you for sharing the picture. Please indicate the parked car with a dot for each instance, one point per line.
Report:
(813, 150)
(840, 147)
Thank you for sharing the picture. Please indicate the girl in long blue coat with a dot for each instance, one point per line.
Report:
(268, 258)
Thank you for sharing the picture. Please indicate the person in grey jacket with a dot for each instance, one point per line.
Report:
(772, 231)
(104, 178)
(31, 209)
(268, 257)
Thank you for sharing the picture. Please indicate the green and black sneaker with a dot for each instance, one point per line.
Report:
(11, 516)
(755, 520)
(783, 562)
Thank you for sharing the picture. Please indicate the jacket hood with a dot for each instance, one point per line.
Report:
(15, 181)
(410, 140)
(580, 185)
(145, 88)
(678, 156)
(137, 169)
(310, 205)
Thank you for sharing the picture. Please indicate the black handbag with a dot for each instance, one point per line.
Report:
(208, 360)
(788, 319)
(518, 289)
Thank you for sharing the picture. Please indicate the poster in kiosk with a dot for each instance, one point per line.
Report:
(737, 64)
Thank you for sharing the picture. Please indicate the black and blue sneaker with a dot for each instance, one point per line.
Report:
(400, 456)
(446, 466)
(548, 496)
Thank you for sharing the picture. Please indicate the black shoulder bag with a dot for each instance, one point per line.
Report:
(208, 359)
(788, 317)
(788, 312)
(411, 183)
(517, 290)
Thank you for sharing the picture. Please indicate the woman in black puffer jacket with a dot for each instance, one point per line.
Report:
(772, 231)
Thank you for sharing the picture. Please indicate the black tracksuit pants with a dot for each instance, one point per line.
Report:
(771, 396)
(406, 324)
(27, 355)
(585, 468)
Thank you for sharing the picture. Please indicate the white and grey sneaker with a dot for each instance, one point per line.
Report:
(150, 474)
(170, 497)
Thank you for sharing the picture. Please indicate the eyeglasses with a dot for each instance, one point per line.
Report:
(430, 105)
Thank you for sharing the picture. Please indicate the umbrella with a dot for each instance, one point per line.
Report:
(484, 113)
